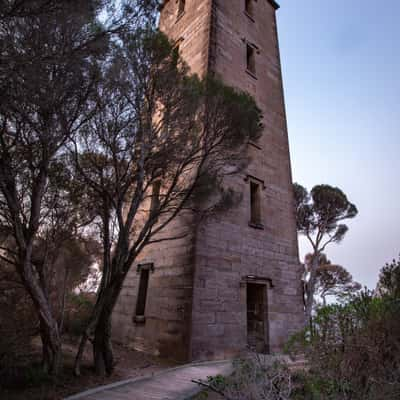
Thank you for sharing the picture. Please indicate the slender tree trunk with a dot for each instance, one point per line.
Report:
(102, 346)
(103, 356)
(49, 331)
(63, 301)
(311, 290)
(51, 348)
(99, 329)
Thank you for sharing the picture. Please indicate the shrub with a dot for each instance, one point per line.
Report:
(353, 351)
(256, 378)
(78, 310)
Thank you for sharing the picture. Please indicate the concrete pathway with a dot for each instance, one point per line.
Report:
(172, 384)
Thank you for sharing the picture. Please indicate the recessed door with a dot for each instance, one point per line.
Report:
(256, 317)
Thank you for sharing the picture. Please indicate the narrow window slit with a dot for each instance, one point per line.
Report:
(181, 7)
(255, 203)
(251, 59)
(249, 7)
(142, 294)
(155, 198)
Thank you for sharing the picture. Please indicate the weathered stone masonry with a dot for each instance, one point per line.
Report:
(233, 281)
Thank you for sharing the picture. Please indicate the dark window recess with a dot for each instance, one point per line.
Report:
(181, 7)
(255, 203)
(251, 59)
(155, 197)
(249, 7)
(142, 293)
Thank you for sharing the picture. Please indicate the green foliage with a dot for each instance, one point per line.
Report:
(257, 377)
(353, 350)
(78, 311)
(319, 216)
(218, 382)
(389, 279)
(322, 210)
(334, 280)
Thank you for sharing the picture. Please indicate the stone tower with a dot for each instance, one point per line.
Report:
(236, 280)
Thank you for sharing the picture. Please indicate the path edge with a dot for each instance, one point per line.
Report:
(144, 378)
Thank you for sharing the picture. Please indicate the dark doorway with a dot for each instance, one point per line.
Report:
(257, 317)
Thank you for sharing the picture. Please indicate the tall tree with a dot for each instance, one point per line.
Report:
(319, 217)
(47, 75)
(158, 149)
(51, 53)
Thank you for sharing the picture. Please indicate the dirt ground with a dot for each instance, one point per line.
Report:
(129, 364)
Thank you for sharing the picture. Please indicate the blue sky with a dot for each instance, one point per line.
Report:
(341, 70)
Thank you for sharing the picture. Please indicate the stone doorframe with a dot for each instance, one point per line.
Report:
(268, 284)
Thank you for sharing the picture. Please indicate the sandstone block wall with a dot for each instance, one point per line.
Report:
(196, 304)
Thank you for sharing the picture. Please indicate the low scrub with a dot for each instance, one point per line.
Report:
(258, 377)
(353, 350)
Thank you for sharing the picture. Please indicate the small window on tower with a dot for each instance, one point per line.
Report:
(249, 7)
(181, 7)
(251, 59)
(144, 271)
(255, 204)
(155, 198)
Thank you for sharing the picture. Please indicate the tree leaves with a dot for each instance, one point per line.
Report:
(319, 214)
(318, 217)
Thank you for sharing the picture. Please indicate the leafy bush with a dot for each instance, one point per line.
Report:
(353, 350)
(78, 310)
(389, 279)
(256, 378)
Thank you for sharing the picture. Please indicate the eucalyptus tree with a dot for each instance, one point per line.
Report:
(319, 216)
(51, 53)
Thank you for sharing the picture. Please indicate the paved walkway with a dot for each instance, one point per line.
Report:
(172, 384)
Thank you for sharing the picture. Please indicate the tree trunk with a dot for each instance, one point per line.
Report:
(311, 291)
(63, 301)
(51, 348)
(103, 356)
(49, 331)
(102, 347)
(100, 328)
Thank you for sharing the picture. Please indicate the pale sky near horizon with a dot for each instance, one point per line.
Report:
(341, 67)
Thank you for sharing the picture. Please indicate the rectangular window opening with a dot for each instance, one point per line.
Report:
(255, 203)
(155, 198)
(181, 7)
(142, 294)
(249, 7)
(251, 59)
